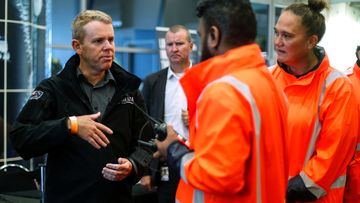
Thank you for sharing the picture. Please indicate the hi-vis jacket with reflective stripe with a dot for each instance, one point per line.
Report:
(322, 128)
(352, 188)
(237, 131)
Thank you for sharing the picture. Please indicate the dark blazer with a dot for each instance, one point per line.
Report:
(154, 93)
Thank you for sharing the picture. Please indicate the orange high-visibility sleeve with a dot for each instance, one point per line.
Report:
(352, 188)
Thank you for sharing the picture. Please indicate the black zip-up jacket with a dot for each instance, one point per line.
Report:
(73, 165)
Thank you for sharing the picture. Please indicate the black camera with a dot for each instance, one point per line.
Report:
(160, 134)
(144, 152)
(159, 129)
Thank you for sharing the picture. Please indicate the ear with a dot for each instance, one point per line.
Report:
(214, 38)
(191, 45)
(312, 41)
(76, 46)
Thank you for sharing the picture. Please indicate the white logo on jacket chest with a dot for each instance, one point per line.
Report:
(127, 100)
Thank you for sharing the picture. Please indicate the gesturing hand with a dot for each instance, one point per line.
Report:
(92, 131)
(117, 172)
(147, 183)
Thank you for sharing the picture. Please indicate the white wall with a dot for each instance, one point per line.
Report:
(342, 35)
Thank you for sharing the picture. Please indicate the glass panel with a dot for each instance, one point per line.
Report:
(39, 59)
(26, 62)
(39, 12)
(26, 66)
(2, 9)
(4, 54)
(21, 53)
(19, 10)
(262, 18)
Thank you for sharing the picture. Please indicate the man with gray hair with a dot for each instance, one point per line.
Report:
(166, 101)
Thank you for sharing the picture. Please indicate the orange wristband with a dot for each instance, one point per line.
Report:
(74, 125)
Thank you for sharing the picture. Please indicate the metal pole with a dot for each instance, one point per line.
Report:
(42, 182)
(270, 55)
(83, 5)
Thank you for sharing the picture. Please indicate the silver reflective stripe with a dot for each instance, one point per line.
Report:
(184, 160)
(198, 197)
(315, 133)
(311, 186)
(245, 91)
(358, 147)
(177, 201)
(339, 183)
(317, 127)
(319, 191)
(329, 79)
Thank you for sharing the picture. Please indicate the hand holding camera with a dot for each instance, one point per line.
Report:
(162, 145)
(164, 136)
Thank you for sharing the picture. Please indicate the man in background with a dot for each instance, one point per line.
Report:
(166, 101)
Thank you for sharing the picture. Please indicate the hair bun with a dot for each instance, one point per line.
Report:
(317, 5)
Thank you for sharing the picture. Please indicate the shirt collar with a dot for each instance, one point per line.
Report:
(171, 73)
(108, 77)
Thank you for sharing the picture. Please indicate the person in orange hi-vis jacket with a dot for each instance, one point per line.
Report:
(352, 187)
(237, 145)
(322, 123)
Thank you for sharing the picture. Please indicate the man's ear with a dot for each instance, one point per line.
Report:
(214, 38)
(76, 46)
(191, 45)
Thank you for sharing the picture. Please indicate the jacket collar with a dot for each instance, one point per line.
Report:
(124, 80)
(196, 78)
(307, 79)
(319, 53)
